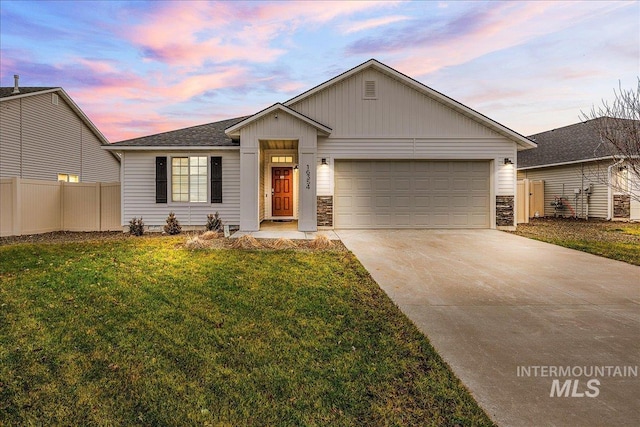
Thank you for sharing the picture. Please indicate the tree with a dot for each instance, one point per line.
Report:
(618, 126)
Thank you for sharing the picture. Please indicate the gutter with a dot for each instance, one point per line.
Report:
(168, 148)
(609, 192)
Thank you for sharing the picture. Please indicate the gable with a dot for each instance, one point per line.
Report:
(397, 110)
(398, 107)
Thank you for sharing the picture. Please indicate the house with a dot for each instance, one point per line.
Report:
(579, 170)
(369, 148)
(44, 135)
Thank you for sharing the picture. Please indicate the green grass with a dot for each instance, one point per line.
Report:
(141, 332)
(621, 251)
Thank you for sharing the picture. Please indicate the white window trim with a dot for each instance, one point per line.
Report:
(170, 200)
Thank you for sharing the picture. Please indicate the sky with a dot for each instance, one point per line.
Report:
(142, 67)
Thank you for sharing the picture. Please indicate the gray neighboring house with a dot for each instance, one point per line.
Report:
(579, 168)
(44, 135)
(369, 148)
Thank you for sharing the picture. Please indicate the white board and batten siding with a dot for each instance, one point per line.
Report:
(40, 139)
(138, 195)
(561, 181)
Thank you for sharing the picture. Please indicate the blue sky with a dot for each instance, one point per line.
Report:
(143, 67)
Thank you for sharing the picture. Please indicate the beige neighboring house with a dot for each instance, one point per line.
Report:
(369, 148)
(578, 168)
(44, 135)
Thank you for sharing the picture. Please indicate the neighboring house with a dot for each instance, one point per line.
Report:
(44, 135)
(370, 148)
(577, 167)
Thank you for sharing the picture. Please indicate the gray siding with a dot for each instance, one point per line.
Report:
(51, 139)
(562, 180)
(138, 193)
(398, 111)
(10, 139)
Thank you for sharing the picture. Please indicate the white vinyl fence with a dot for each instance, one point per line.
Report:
(29, 206)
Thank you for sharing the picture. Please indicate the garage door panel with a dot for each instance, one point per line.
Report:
(382, 202)
(422, 194)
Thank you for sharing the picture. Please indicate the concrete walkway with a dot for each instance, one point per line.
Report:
(285, 230)
(492, 303)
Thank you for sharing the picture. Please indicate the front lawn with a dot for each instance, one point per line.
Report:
(141, 331)
(610, 239)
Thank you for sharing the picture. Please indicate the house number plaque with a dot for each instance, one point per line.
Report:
(308, 172)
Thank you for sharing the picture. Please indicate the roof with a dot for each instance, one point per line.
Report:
(569, 144)
(234, 130)
(522, 141)
(7, 92)
(207, 135)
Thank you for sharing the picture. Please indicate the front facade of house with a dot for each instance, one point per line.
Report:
(370, 148)
(45, 136)
(577, 168)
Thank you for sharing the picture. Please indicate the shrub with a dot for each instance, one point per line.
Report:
(321, 242)
(283, 243)
(136, 226)
(197, 243)
(214, 223)
(246, 242)
(173, 225)
(209, 235)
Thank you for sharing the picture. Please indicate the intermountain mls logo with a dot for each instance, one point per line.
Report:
(576, 381)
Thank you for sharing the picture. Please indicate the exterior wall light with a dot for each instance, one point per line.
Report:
(508, 161)
(324, 161)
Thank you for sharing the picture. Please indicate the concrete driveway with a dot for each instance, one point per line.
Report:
(498, 307)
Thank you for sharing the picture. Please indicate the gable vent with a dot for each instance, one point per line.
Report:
(370, 89)
(54, 98)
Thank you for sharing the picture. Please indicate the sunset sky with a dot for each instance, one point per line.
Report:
(143, 67)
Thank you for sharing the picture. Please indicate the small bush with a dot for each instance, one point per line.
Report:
(173, 225)
(209, 235)
(246, 242)
(283, 243)
(214, 223)
(197, 243)
(321, 242)
(136, 226)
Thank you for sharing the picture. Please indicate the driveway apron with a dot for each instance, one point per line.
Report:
(540, 334)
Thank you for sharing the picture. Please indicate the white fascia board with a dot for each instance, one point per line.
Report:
(235, 129)
(572, 162)
(168, 148)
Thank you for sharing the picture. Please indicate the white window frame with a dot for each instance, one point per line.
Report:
(189, 190)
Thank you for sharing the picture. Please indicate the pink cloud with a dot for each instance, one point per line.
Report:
(373, 23)
(223, 31)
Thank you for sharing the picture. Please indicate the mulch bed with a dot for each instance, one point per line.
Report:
(219, 243)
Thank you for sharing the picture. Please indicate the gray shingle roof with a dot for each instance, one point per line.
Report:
(210, 134)
(6, 92)
(580, 141)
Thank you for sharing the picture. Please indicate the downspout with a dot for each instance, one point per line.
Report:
(609, 192)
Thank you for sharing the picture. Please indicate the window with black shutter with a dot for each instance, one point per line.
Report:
(161, 180)
(216, 179)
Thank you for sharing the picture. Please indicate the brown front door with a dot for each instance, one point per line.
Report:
(282, 191)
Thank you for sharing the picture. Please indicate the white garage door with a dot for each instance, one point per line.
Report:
(411, 194)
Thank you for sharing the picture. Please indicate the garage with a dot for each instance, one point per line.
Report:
(411, 194)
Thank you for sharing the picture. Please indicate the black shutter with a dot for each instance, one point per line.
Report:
(216, 180)
(161, 180)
